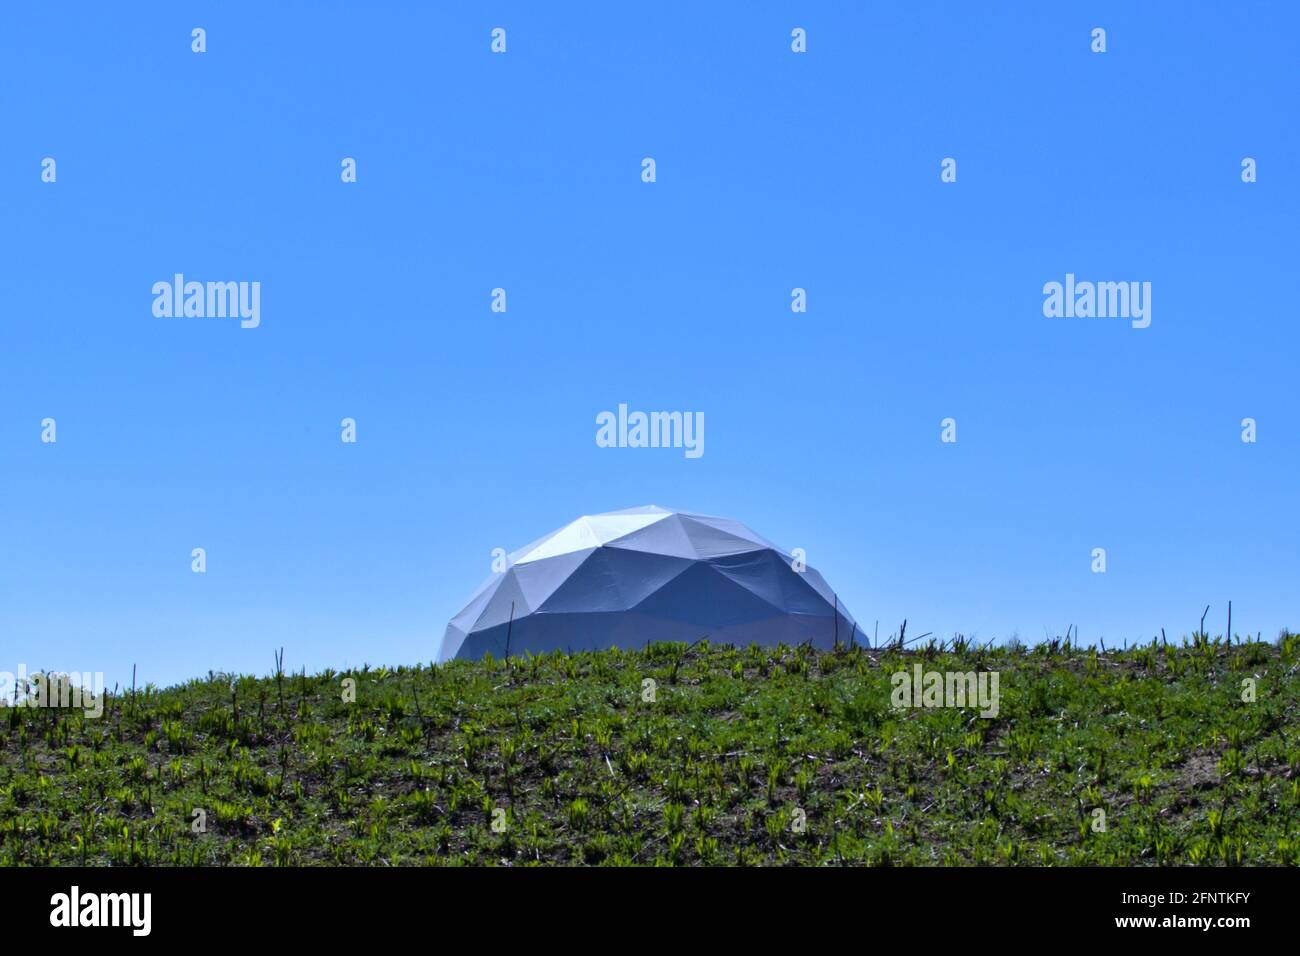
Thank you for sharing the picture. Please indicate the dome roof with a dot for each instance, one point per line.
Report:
(628, 578)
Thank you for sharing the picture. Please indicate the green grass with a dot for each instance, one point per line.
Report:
(745, 755)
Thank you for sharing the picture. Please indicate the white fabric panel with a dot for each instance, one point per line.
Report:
(498, 610)
(733, 528)
(710, 541)
(574, 537)
(538, 580)
(609, 527)
(666, 537)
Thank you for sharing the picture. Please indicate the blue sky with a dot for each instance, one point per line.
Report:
(775, 170)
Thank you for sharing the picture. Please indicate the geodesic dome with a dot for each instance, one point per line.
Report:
(628, 578)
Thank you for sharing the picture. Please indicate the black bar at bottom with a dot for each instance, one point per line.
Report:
(343, 905)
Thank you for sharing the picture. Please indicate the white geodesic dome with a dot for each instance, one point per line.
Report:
(628, 578)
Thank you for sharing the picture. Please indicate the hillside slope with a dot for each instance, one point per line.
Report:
(731, 755)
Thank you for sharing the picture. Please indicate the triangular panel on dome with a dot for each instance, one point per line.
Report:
(518, 554)
(710, 541)
(762, 572)
(611, 580)
(574, 536)
(590, 587)
(818, 584)
(663, 537)
(610, 527)
(470, 613)
(508, 600)
(733, 528)
(705, 596)
(538, 580)
(641, 573)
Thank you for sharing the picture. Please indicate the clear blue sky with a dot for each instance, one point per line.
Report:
(775, 170)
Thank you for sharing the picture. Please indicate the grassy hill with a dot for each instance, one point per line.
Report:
(734, 755)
